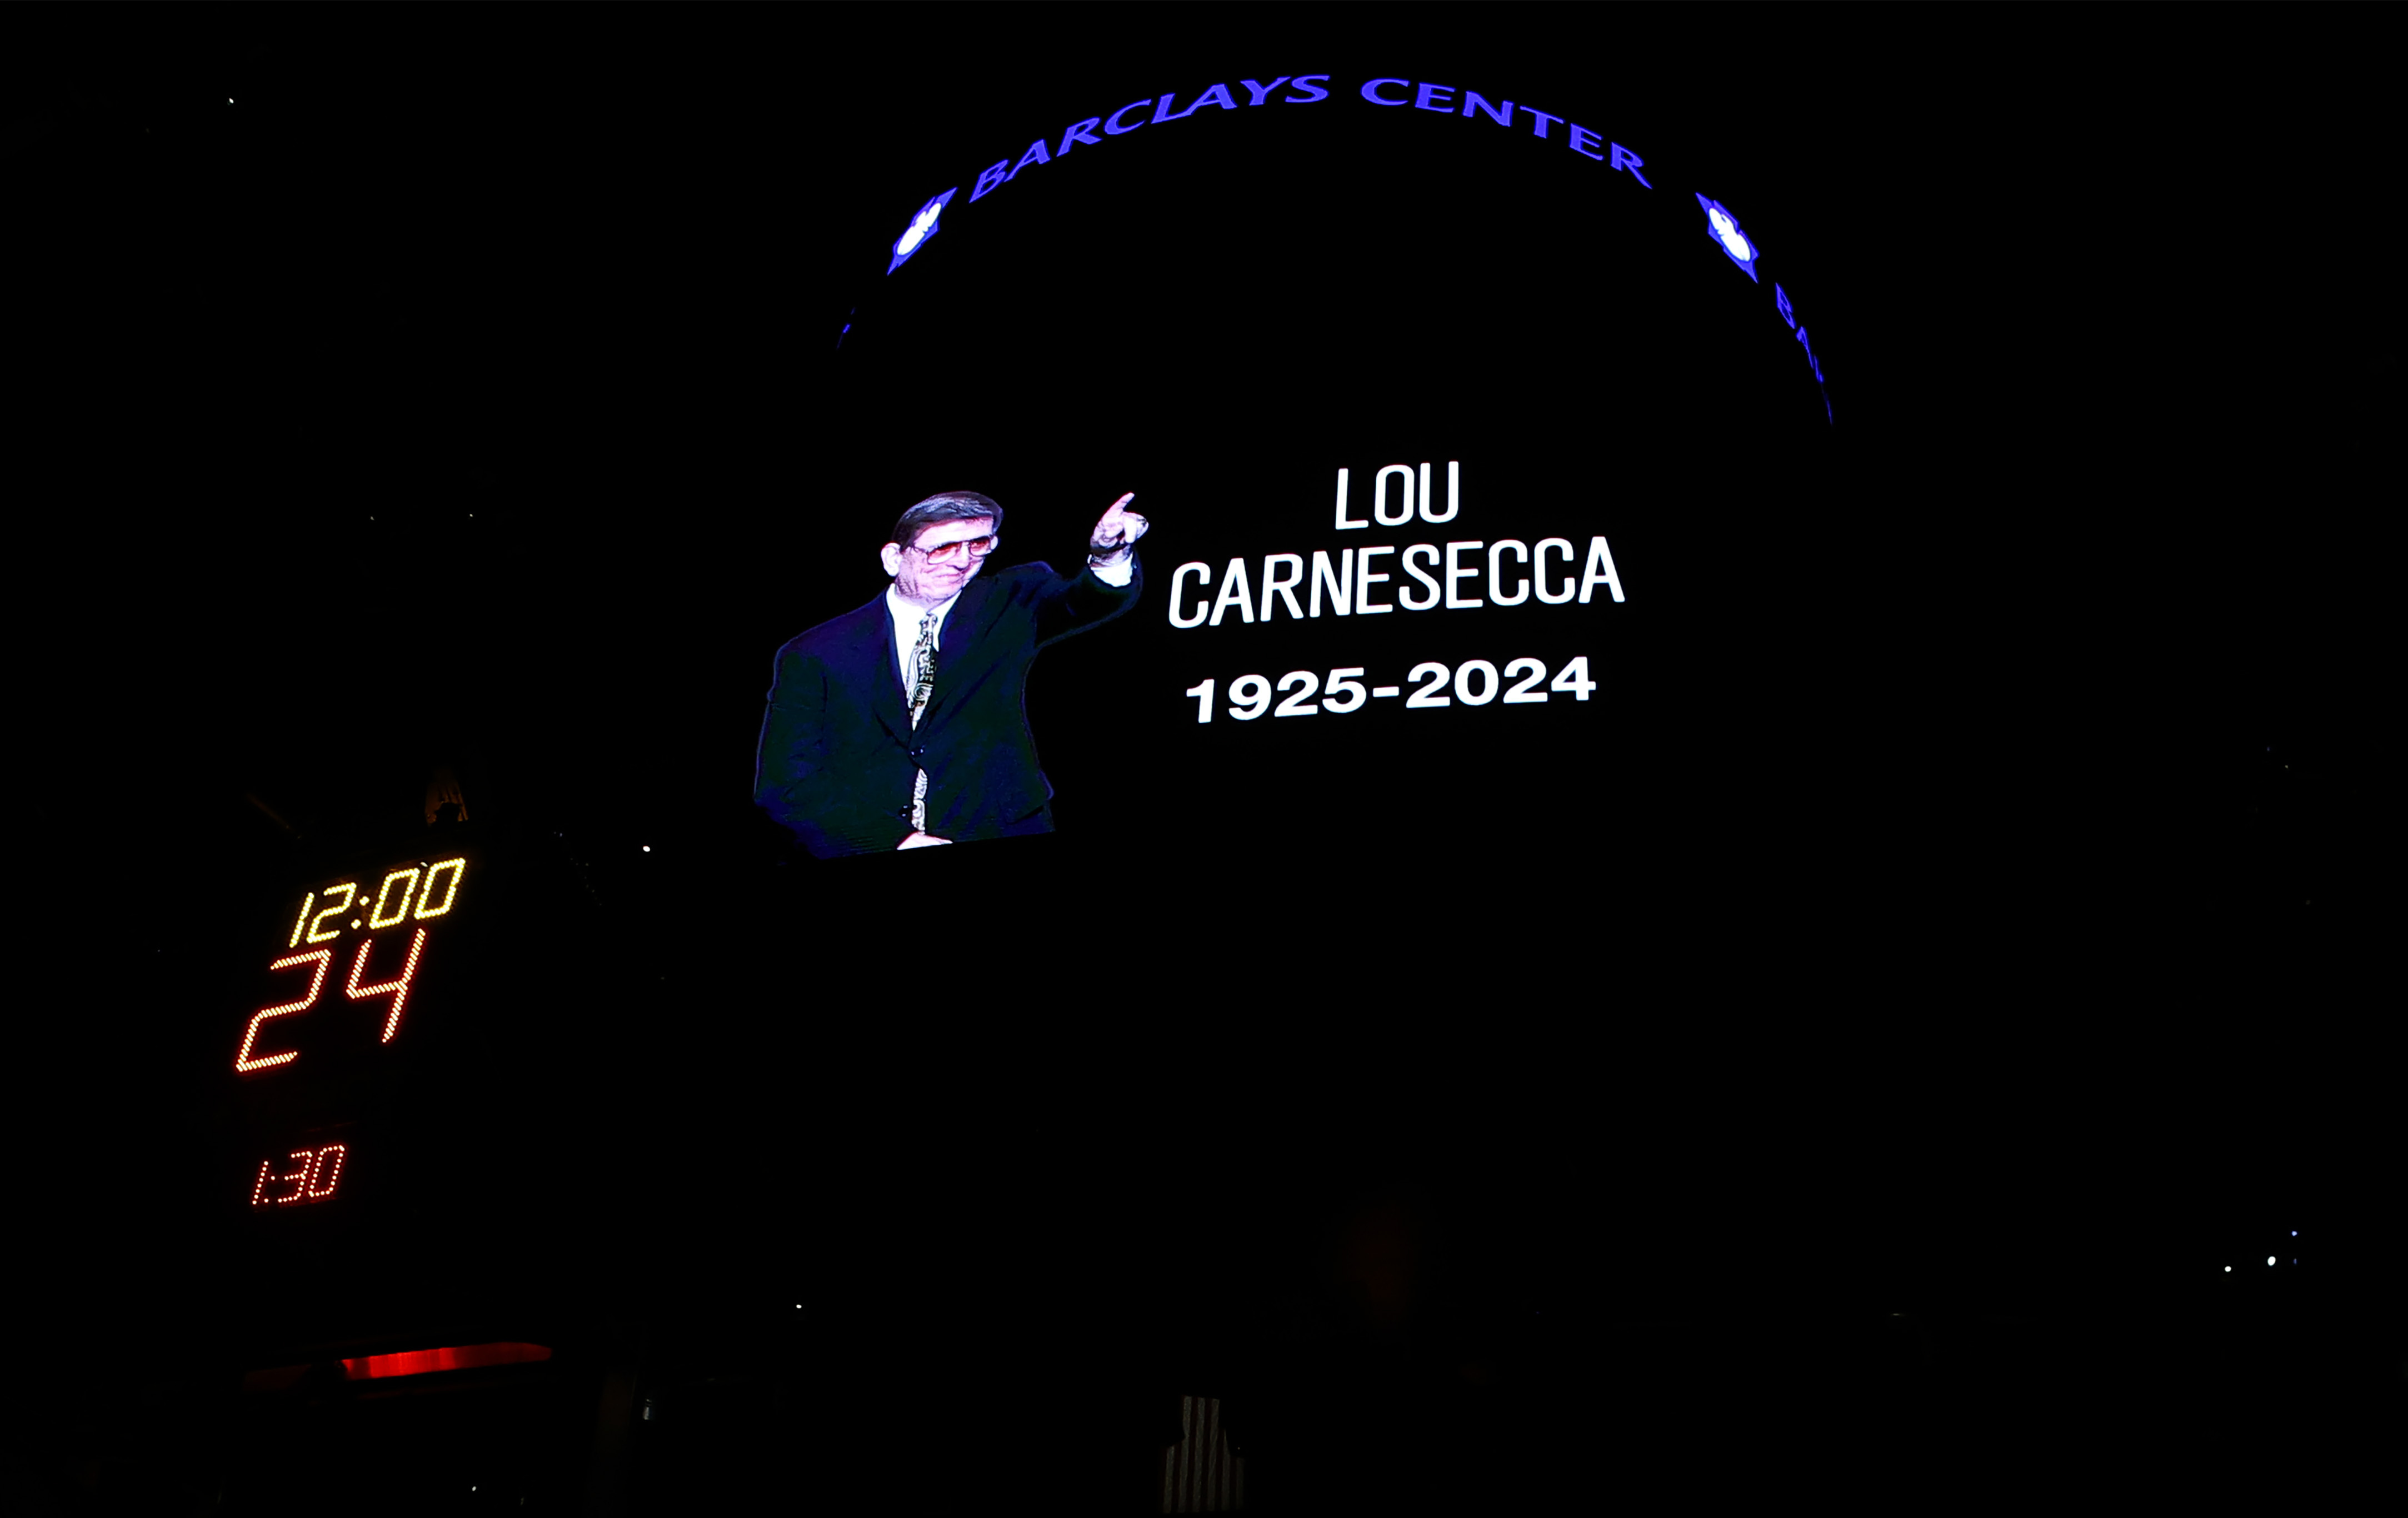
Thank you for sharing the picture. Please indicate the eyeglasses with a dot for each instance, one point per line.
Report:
(967, 548)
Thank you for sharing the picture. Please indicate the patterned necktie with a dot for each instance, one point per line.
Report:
(924, 681)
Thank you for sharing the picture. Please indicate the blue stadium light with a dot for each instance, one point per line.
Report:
(1723, 227)
(922, 227)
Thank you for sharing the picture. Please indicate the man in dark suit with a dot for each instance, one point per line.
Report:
(904, 723)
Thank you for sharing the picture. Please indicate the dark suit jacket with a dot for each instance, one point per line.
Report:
(837, 747)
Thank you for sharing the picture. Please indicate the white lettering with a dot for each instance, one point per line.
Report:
(1495, 572)
(1365, 580)
(1598, 571)
(1340, 598)
(1284, 587)
(1454, 493)
(1456, 571)
(1538, 568)
(1344, 521)
(1404, 597)
(1235, 592)
(1178, 580)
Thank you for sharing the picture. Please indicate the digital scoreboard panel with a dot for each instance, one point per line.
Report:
(404, 1052)
(327, 1043)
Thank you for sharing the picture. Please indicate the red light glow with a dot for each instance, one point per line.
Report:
(399, 985)
(315, 1174)
(259, 1188)
(243, 1062)
(324, 1171)
(426, 1362)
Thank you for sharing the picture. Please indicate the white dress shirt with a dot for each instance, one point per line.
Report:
(907, 631)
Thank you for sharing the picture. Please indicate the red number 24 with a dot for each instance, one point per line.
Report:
(244, 1062)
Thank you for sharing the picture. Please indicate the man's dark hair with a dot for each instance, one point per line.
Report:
(951, 506)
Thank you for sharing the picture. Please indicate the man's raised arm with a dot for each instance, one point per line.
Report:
(1111, 583)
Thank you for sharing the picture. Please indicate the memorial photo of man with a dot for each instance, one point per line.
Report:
(904, 722)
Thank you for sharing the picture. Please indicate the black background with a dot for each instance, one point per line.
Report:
(466, 387)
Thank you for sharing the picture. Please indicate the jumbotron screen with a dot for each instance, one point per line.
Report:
(1377, 464)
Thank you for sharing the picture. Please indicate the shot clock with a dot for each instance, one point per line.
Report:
(347, 920)
(399, 1079)
(319, 1052)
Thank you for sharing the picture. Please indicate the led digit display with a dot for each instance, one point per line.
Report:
(325, 1170)
(405, 893)
(298, 1180)
(319, 931)
(372, 933)
(314, 1176)
(244, 1062)
(408, 894)
(407, 880)
(398, 986)
(448, 871)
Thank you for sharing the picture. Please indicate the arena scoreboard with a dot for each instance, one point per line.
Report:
(363, 954)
